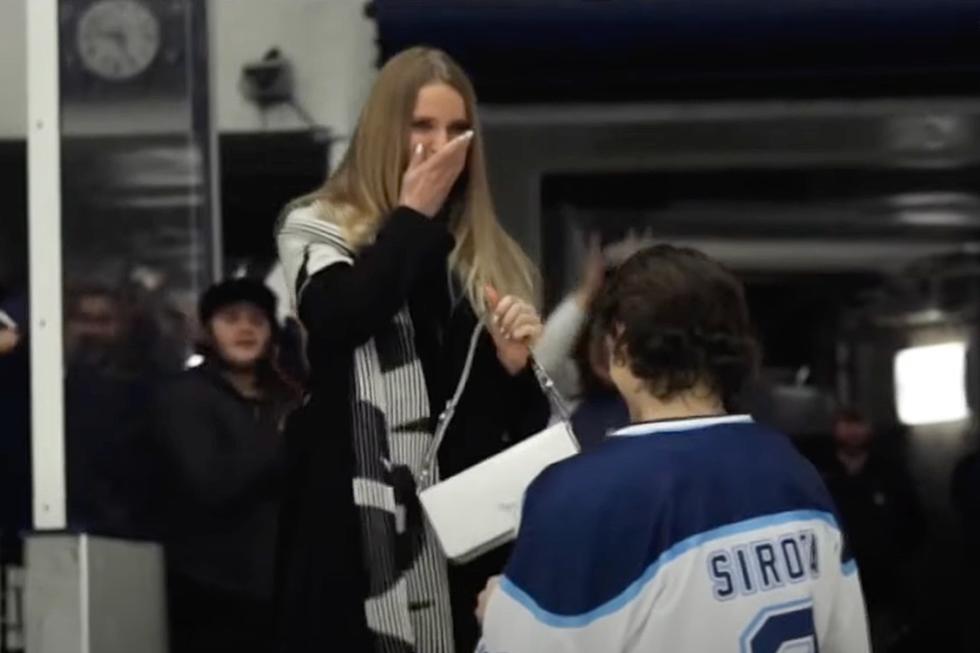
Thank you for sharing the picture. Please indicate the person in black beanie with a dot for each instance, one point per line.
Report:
(217, 433)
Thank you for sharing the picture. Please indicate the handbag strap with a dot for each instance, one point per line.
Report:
(551, 391)
(446, 416)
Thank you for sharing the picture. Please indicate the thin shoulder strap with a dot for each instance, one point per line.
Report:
(446, 416)
(551, 391)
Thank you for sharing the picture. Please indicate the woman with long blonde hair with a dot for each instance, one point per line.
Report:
(411, 294)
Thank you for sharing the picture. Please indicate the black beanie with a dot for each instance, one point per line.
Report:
(235, 291)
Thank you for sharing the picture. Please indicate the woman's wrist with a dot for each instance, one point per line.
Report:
(512, 364)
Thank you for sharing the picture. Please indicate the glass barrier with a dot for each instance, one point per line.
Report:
(138, 241)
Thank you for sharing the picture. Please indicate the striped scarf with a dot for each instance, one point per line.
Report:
(407, 605)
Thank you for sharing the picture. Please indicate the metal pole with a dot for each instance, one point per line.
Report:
(44, 219)
(208, 15)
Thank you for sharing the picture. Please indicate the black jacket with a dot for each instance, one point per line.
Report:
(882, 519)
(220, 475)
(321, 581)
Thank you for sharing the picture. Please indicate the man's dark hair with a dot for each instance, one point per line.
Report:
(683, 320)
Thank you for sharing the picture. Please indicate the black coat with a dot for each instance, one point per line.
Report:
(219, 464)
(882, 519)
(322, 581)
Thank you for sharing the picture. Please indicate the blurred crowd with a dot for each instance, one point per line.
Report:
(174, 434)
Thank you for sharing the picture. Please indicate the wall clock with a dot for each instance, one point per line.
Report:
(117, 39)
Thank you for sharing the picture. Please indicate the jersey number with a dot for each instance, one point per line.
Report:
(785, 628)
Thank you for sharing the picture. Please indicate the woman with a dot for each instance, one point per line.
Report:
(220, 455)
(397, 264)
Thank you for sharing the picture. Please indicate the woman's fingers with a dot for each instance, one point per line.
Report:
(492, 298)
(452, 155)
(503, 306)
(527, 333)
(516, 315)
(514, 311)
(527, 318)
(527, 327)
(418, 156)
(428, 179)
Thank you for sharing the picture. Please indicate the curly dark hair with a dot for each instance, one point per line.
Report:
(682, 319)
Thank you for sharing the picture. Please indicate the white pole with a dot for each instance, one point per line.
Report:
(44, 219)
(210, 16)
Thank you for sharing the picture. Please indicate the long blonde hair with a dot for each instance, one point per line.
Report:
(365, 188)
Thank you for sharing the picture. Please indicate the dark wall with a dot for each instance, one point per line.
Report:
(260, 173)
(643, 49)
(13, 218)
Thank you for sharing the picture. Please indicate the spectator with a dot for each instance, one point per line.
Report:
(965, 495)
(15, 459)
(218, 432)
(13, 312)
(95, 327)
(107, 401)
(883, 520)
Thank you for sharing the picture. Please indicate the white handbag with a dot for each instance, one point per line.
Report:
(480, 508)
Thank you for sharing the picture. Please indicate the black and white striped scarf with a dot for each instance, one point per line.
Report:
(408, 606)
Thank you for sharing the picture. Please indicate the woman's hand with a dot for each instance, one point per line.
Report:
(515, 327)
(9, 338)
(484, 599)
(428, 179)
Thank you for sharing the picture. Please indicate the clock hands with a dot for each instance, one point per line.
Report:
(121, 41)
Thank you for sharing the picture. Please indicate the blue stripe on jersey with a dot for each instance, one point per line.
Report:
(596, 527)
(679, 549)
(850, 567)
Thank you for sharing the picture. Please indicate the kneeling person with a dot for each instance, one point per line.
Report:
(692, 529)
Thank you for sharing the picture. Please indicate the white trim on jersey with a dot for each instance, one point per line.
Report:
(679, 425)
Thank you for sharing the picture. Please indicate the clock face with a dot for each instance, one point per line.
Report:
(117, 39)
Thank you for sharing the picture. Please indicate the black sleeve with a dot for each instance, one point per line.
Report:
(345, 305)
(911, 519)
(202, 466)
(529, 406)
(965, 488)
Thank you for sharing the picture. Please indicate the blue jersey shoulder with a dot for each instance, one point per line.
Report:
(599, 523)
